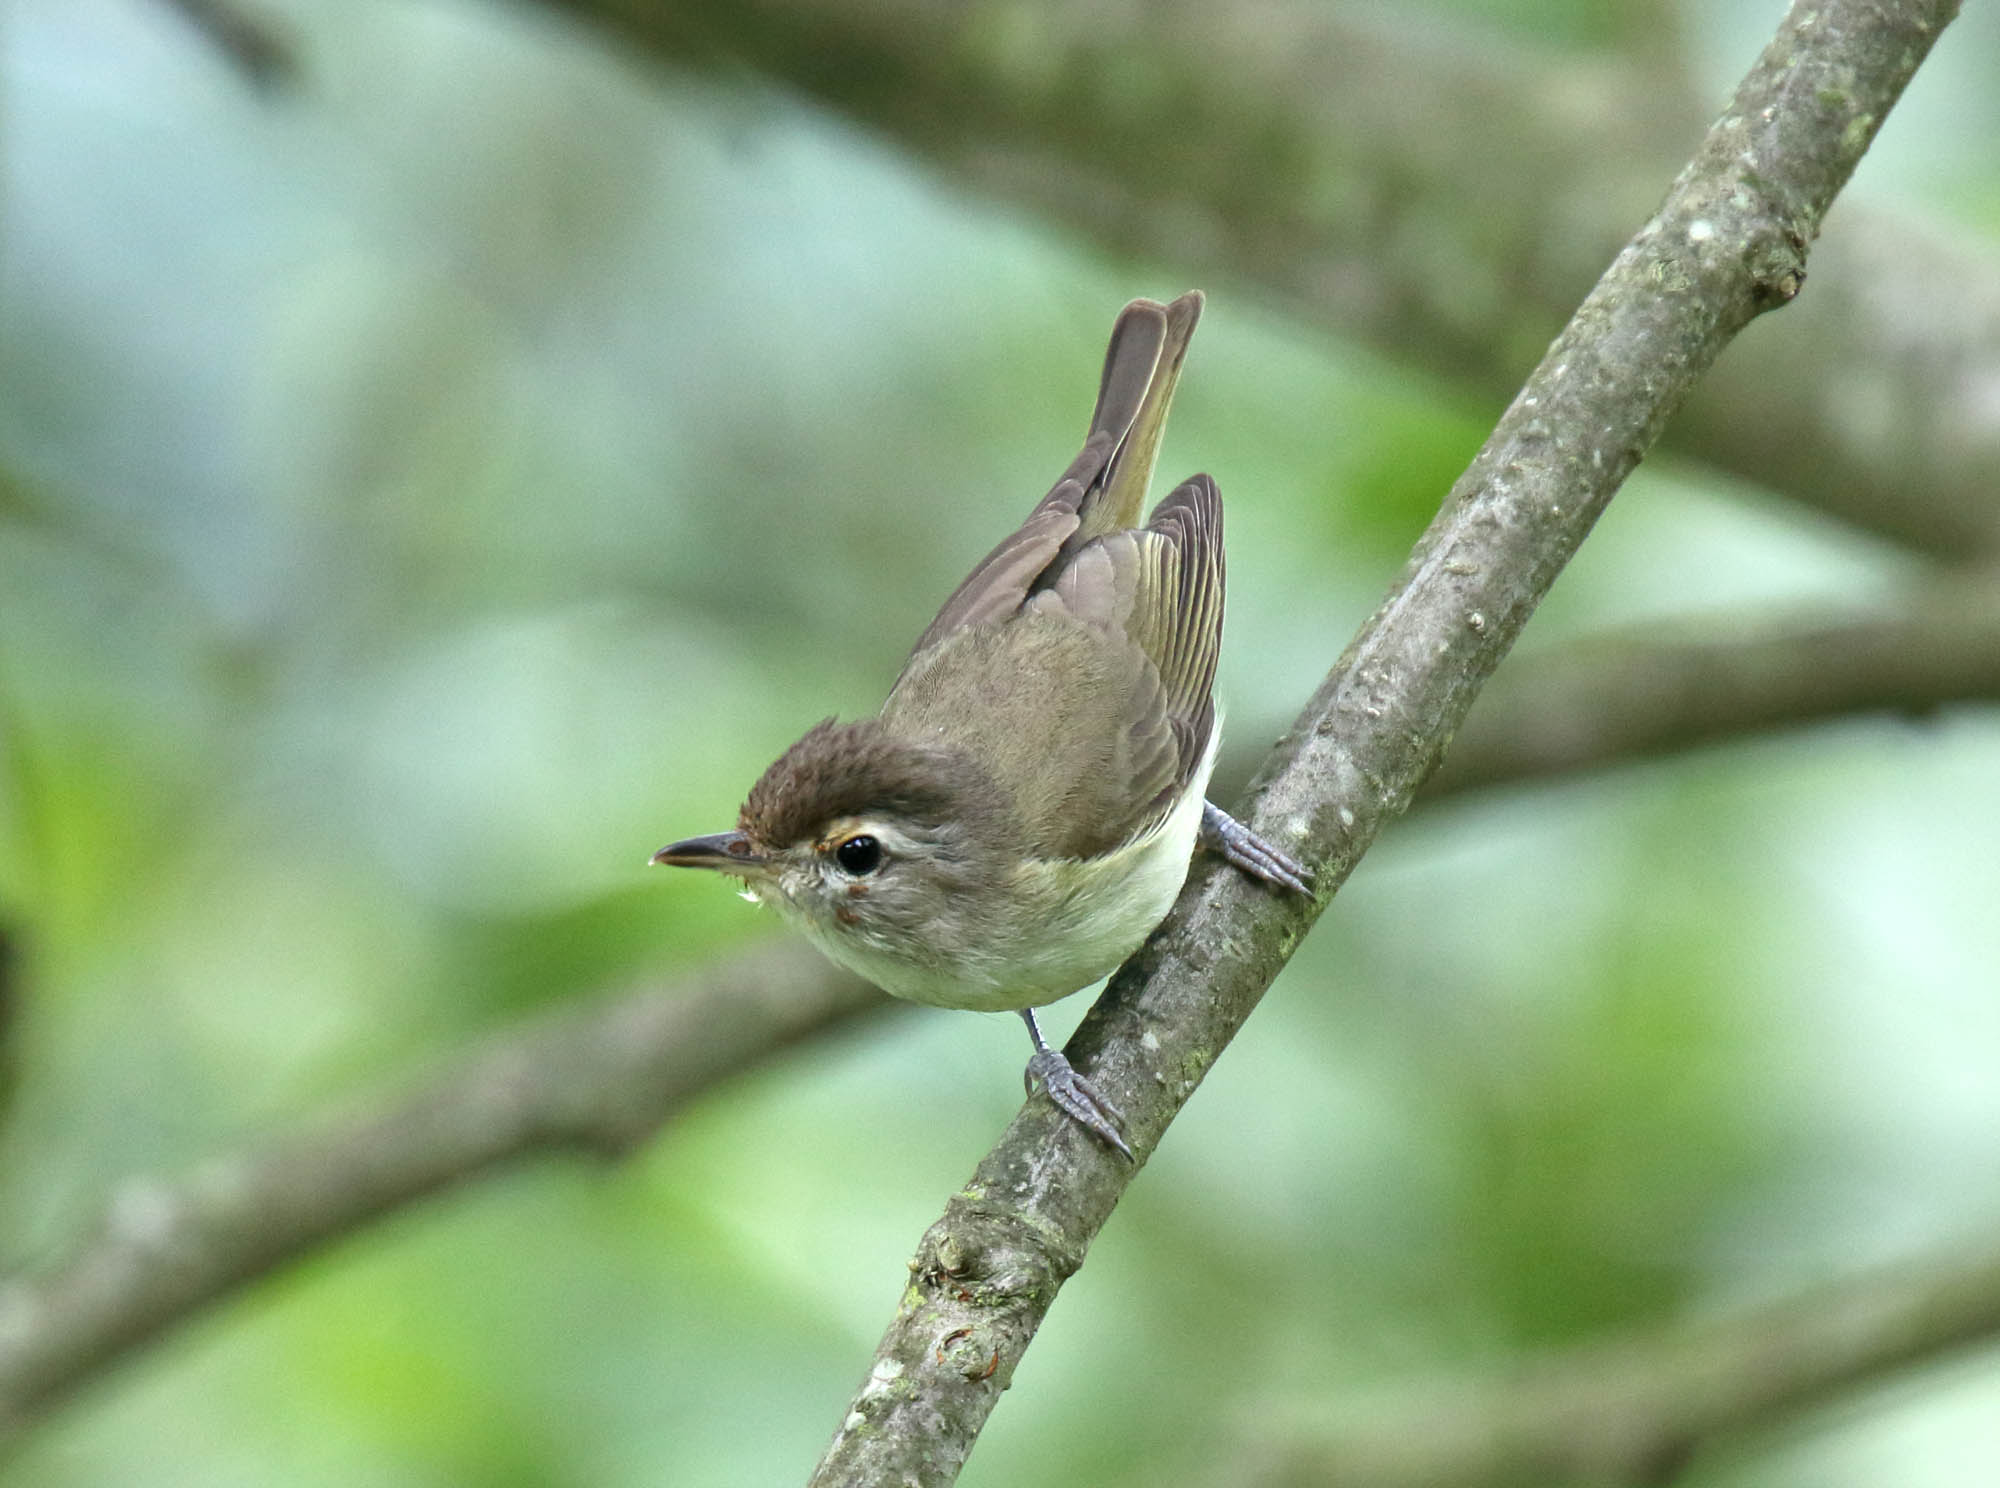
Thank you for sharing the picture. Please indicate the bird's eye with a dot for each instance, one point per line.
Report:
(860, 855)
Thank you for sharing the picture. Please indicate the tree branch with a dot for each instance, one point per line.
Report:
(1443, 198)
(1635, 1410)
(1612, 699)
(598, 1079)
(1728, 243)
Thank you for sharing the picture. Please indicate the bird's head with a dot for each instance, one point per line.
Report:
(866, 837)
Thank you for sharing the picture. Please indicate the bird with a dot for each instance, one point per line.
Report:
(1021, 813)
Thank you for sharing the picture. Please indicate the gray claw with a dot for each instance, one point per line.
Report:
(1074, 1097)
(1224, 834)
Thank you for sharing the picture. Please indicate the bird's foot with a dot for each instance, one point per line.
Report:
(1224, 834)
(1075, 1098)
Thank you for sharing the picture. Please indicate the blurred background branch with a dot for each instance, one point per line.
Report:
(1637, 1410)
(1615, 698)
(1443, 199)
(598, 1078)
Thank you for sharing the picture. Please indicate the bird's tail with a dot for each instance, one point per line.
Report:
(1141, 366)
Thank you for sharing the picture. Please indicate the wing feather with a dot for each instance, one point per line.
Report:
(1160, 587)
(1080, 654)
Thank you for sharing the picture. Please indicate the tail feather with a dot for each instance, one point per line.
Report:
(1141, 367)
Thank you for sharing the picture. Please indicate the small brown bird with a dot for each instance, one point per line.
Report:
(1020, 815)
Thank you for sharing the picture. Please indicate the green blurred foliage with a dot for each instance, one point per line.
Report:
(426, 489)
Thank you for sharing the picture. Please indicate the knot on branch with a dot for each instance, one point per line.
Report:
(1777, 264)
(991, 1259)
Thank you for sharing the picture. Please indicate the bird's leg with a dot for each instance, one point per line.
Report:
(1071, 1093)
(1224, 834)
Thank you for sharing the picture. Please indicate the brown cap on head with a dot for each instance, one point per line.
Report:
(861, 768)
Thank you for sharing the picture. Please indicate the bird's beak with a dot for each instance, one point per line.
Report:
(730, 852)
